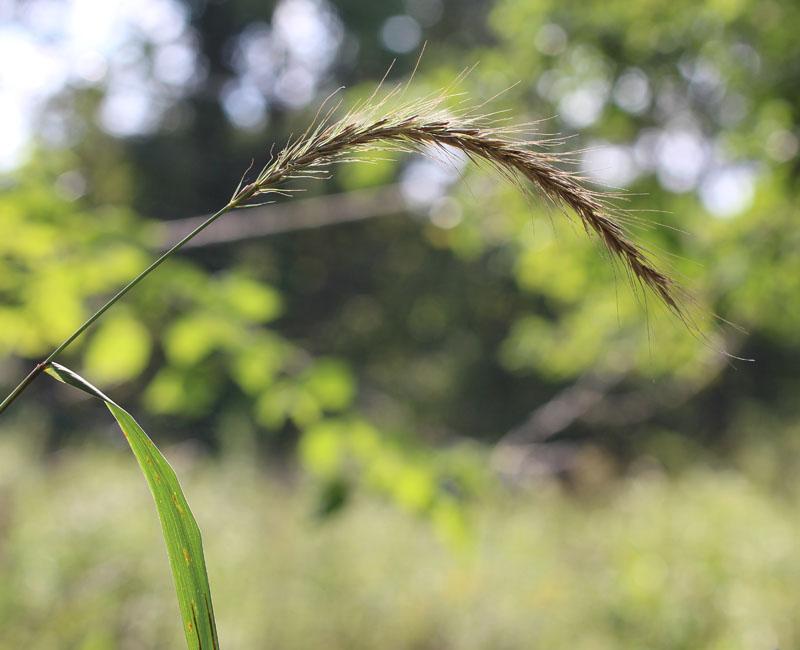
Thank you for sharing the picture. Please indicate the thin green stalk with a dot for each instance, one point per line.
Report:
(237, 200)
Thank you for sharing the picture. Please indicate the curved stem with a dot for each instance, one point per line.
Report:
(238, 199)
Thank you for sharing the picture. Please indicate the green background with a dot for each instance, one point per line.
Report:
(452, 423)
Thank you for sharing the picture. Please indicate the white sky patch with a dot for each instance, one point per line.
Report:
(296, 86)
(309, 30)
(287, 59)
(632, 91)
(645, 148)
(552, 85)
(401, 34)
(159, 21)
(729, 191)
(13, 132)
(47, 44)
(583, 106)
(682, 156)
(93, 24)
(30, 68)
(176, 63)
(257, 56)
(704, 78)
(428, 177)
(91, 66)
(128, 112)
(25, 79)
(244, 105)
(609, 165)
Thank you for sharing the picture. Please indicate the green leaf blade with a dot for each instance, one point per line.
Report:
(181, 532)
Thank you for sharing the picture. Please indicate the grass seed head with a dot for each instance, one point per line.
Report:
(527, 162)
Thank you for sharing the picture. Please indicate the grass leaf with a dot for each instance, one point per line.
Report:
(181, 533)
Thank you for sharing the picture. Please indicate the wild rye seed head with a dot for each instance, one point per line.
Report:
(420, 125)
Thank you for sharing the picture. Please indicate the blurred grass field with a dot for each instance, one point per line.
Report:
(707, 560)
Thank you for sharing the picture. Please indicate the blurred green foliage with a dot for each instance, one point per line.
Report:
(707, 561)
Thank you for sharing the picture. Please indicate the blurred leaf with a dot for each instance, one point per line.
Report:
(331, 383)
(119, 350)
(250, 299)
(322, 448)
(181, 533)
(414, 487)
(179, 391)
(255, 366)
(191, 338)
